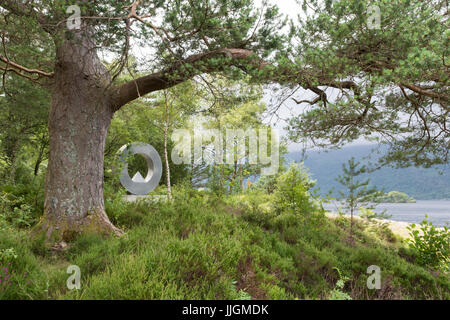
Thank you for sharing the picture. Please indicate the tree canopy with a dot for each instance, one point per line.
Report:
(391, 80)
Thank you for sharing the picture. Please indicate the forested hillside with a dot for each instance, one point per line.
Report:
(419, 183)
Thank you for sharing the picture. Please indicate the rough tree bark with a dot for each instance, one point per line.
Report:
(80, 115)
(40, 158)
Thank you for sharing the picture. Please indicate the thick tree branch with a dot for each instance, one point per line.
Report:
(425, 92)
(176, 74)
(311, 102)
(17, 66)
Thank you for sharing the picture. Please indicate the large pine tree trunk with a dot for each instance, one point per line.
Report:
(79, 119)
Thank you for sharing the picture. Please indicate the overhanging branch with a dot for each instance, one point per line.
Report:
(425, 92)
(175, 74)
(10, 64)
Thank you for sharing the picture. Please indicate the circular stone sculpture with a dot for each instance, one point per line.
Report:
(138, 185)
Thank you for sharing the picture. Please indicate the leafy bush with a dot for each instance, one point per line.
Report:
(337, 293)
(15, 211)
(366, 213)
(293, 193)
(431, 244)
(6, 255)
(21, 205)
(267, 184)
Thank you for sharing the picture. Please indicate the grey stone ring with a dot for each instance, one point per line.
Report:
(138, 185)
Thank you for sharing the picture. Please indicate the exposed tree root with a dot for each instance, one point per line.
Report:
(66, 228)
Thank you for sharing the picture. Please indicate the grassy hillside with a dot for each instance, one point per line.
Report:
(419, 183)
(203, 247)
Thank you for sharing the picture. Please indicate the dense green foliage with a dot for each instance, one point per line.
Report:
(200, 246)
(431, 244)
(23, 129)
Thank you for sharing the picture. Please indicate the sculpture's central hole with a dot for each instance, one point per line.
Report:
(137, 167)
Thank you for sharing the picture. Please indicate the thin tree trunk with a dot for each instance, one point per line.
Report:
(222, 166)
(12, 169)
(13, 160)
(351, 223)
(233, 179)
(166, 157)
(38, 163)
(40, 156)
(351, 210)
(241, 174)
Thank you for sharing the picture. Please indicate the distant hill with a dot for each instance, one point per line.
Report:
(420, 183)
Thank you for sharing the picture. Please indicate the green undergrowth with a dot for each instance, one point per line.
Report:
(202, 247)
